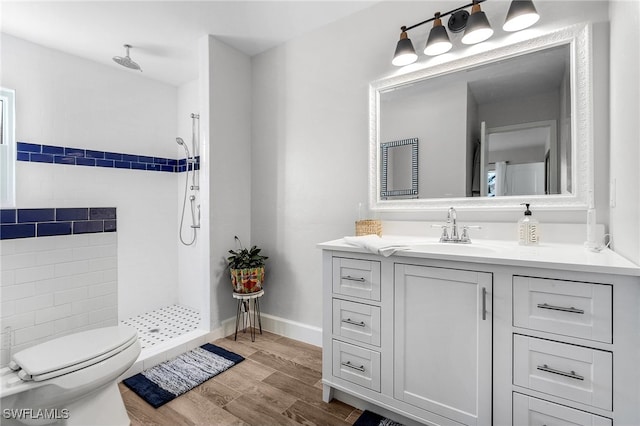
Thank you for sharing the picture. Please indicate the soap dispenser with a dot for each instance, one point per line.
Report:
(528, 232)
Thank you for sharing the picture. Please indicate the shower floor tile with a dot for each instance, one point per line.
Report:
(163, 324)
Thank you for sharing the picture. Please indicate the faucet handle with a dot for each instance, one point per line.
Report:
(445, 234)
(464, 238)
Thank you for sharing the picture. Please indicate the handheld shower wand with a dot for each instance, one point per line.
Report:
(184, 145)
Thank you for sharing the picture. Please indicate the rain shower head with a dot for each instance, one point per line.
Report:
(126, 60)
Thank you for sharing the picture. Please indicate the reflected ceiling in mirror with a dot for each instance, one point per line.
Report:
(518, 115)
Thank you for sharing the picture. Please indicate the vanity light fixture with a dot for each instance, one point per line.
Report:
(522, 14)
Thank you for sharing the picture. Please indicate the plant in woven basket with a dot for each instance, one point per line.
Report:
(247, 268)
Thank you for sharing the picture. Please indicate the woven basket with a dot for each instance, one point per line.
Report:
(368, 227)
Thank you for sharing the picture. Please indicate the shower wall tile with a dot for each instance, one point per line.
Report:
(32, 223)
(29, 147)
(36, 215)
(90, 226)
(139, 166)
(64, 159)
(102, 213)
(94, 154)
(113, 156)
(49, 229)
(41, 158)
(104, 163)
(8, 216)
(39, 304)
(85, 162)
(72, 214)
(49, 149)
(73, 156)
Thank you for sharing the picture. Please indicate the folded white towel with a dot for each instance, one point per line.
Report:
(375, 244)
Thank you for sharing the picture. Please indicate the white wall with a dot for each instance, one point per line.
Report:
(228, 164)
(310, 138)
(625, 126)
(68, 101)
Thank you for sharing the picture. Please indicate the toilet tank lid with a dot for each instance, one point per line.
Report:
(73, 349)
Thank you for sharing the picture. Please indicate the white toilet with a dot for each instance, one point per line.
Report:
(71, 379)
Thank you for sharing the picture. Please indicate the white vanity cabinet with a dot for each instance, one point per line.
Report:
(517, 336)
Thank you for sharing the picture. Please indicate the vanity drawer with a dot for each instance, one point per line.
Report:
(356, 321)
(537, 412)
(575, 309)
(357, 278)
(356, 365)
(572, 372)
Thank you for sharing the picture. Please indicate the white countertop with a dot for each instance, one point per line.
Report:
(546, 255)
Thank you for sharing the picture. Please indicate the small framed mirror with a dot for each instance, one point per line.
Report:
(399, 169)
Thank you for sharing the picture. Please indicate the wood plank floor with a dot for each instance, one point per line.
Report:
(278, 383)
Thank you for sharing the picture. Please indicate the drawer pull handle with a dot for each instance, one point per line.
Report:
(355, 367)
(350, 278)
(560, 308)
(571, 375)
(352, 322)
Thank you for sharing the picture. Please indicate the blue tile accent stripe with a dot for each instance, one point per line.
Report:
(31, 223)
(35, 153)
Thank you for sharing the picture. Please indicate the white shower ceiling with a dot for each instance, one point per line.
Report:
(164, 34)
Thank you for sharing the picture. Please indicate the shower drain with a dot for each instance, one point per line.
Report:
(154, 330)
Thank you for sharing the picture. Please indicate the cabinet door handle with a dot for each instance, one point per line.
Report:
(352, 322)
(571, 375)
(484, 303)
(560, 308)
(350, 278)
(354, 367)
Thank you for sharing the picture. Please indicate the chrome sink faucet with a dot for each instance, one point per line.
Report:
(450, 230)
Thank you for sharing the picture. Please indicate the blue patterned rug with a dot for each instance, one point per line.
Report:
(368, 418)
(164, 382)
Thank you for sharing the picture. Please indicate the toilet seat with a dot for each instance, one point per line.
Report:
(73, 352)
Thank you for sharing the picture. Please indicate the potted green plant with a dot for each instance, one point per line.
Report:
(247, 269)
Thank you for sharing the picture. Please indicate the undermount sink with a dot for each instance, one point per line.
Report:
(454, 248)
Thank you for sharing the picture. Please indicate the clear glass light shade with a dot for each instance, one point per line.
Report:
(405, 53)
(478, 28)
(438, 41)
(522, 14)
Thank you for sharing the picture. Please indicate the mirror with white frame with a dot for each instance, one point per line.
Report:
(498, 128)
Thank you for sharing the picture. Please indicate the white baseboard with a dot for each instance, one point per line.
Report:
(273, 324)
(292, 329)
